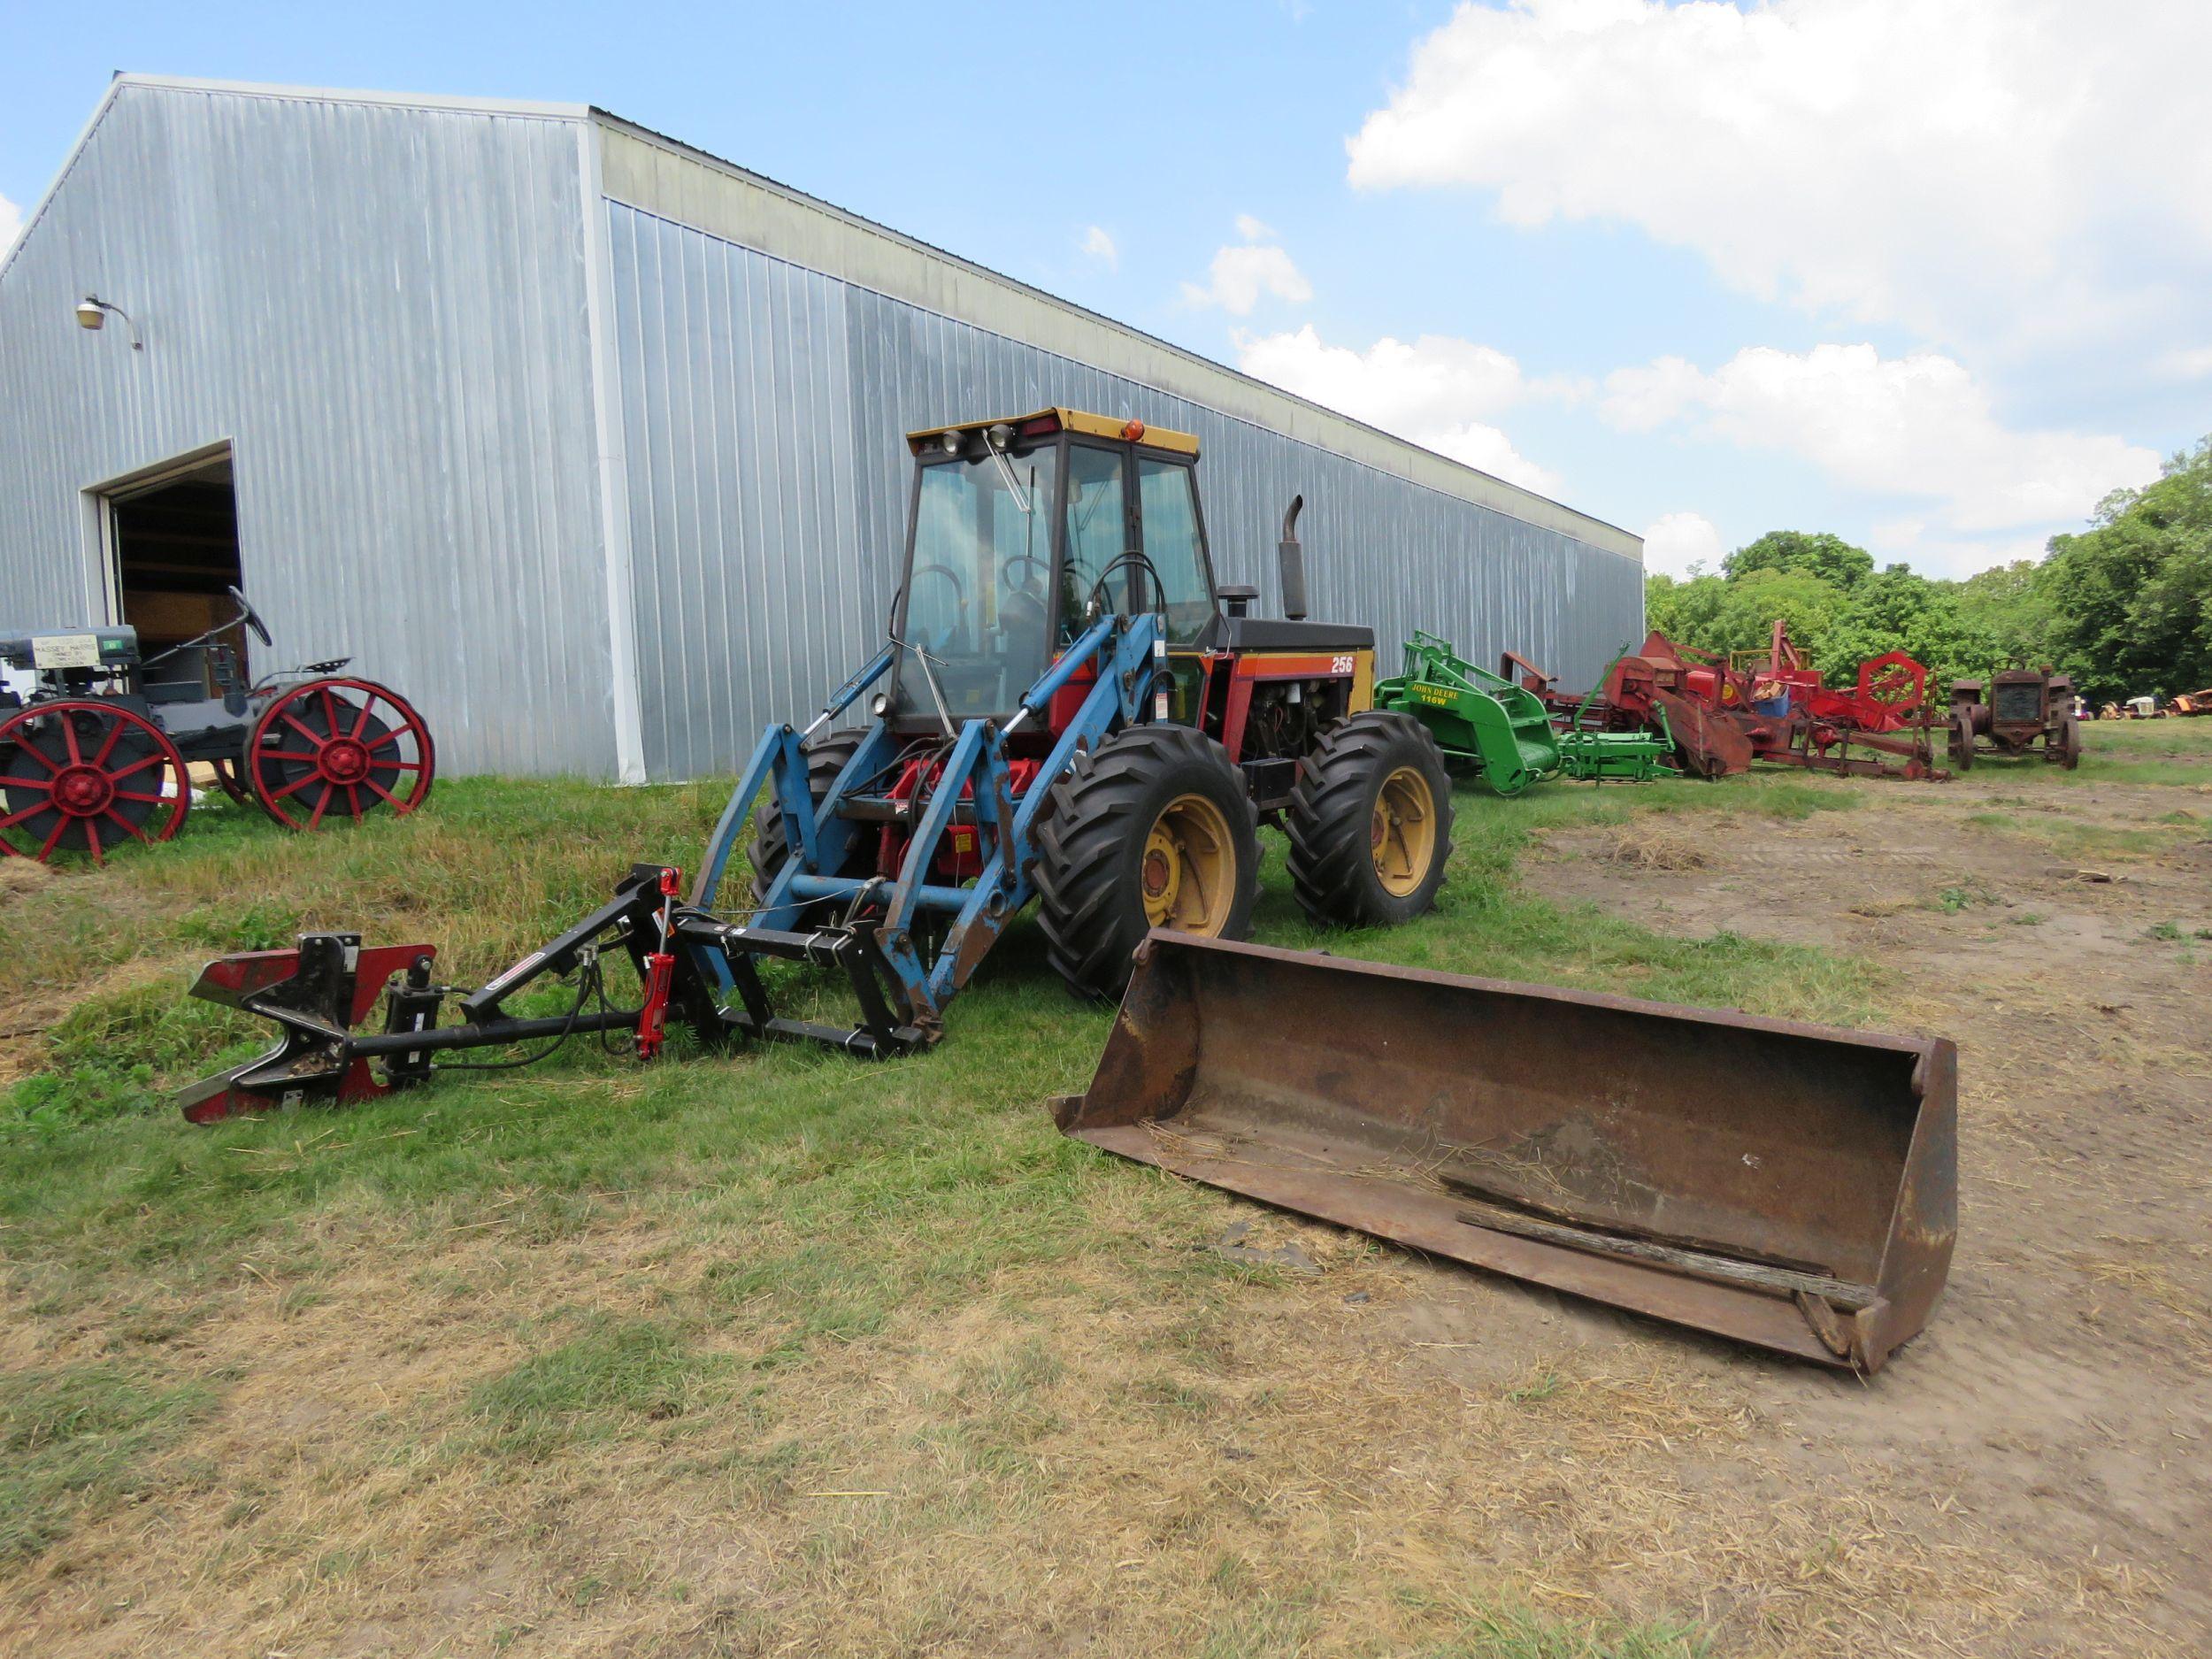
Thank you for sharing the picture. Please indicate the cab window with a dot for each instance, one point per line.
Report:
(1167, 498)
(1098, 534)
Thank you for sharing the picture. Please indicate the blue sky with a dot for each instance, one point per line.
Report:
(1935, 277)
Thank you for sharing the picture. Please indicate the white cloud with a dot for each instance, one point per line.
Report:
(1918, 426)
(2179, 366)
(10, 224)
(1256, 230)
(1100, 246)
(1239, 276)
(2018, 171)
(1675, 542)
(1437, 391)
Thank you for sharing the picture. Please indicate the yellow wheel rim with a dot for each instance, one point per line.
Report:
(1404, 833)
(1188, 875)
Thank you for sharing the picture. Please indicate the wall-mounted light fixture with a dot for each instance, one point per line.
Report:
(92, 313)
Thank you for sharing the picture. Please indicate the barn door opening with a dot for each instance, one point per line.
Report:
(172, 552)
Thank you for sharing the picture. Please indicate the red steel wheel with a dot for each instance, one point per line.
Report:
(84, 775)
(338, 746)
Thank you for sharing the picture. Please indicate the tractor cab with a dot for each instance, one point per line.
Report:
(1023, 531)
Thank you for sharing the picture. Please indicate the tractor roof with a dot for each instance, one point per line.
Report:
(1050, 421)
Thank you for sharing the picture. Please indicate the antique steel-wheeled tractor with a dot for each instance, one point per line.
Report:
(98, 753)
(2024, 707)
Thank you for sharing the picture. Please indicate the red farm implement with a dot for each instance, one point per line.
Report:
(1724, 713)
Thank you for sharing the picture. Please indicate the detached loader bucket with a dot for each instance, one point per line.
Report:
(1790, 1185)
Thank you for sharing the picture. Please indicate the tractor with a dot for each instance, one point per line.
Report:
(1067, 709)
(96, 755)
(2023, 706)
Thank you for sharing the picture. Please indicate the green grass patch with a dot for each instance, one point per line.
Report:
(79, 1438)
(595, 1386)
(1522, 1634)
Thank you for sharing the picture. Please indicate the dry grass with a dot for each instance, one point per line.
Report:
(1656, 846)
(1070, 1459)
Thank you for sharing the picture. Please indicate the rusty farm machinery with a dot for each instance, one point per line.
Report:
(96, 756)
(1790, 1185)
(1071, 713)
(2012, 712)
(1721, 714)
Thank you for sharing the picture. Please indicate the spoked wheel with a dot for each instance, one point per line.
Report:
(338, 749)
(85, 776)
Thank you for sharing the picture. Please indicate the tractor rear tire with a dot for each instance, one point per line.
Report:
(1153, 827)
(825, 757)
(1371, 823)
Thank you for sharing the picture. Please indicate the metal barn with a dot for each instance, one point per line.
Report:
(591, 442)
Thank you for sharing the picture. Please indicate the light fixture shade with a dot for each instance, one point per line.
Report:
(89, 314)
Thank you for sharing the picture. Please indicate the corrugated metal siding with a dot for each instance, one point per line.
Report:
(384, 310)
(763, 407)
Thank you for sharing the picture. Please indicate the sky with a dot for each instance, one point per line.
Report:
(1933, 274)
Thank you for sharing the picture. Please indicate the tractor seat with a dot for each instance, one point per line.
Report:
(1278, 633)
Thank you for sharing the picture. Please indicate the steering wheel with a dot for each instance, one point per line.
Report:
(251, 618)
(1027, 584)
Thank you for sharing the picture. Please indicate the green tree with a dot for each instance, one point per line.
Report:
(1683, 610)
(2131, 596)
(1897, 610)
(1828, 558)
(2008, 604)
(1804, 604)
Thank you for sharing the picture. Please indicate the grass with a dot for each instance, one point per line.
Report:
(76, 1438)
(850, 1316)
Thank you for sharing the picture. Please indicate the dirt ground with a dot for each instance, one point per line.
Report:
(2061, 1402)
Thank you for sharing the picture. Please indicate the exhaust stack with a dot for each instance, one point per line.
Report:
(1293, 559)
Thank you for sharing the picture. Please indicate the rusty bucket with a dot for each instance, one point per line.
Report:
(1786, 1184)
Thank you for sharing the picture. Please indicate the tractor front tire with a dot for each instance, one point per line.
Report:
(1371, 823)
(1962, 741)
(1153, 827)
(825, 757)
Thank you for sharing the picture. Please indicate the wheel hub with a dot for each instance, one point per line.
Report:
(1157, 872)
(342, 760)
(1402, 832)
(1188, 874)
(83, 791)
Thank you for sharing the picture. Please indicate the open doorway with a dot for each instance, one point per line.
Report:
(172, 549)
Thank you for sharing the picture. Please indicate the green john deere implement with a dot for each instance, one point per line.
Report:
(1503, 731)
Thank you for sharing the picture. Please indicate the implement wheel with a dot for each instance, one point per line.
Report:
(84, 776)
(770, 851)
(1153, 828)
(334, 749)
(1371, 823)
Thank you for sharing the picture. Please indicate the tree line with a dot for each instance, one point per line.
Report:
(2125, 605)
